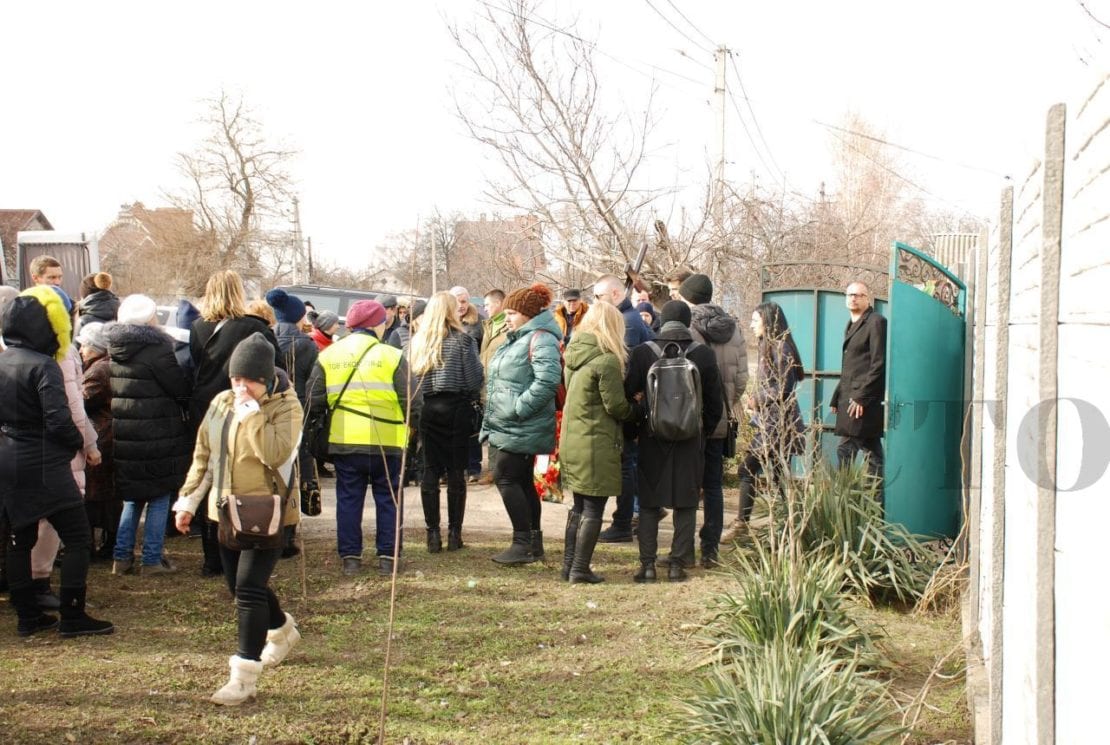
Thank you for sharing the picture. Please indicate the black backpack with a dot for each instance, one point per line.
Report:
(673, 394)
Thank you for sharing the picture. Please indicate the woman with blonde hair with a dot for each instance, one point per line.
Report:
(224, 322)
(444, 362)
(592, 434)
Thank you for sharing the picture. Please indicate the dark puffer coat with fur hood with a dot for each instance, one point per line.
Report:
(150, 399)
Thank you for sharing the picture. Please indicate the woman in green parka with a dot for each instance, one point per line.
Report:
(591, 440)
(520, 413)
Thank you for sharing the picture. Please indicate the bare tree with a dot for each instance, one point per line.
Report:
(239, 190)
(157, 251)
(478, 254)
(534, 102)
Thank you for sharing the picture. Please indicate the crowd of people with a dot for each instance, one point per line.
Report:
(107, 415)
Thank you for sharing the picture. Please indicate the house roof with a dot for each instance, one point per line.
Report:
(13, 221)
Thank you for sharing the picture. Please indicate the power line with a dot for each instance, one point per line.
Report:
(681, 33)
(755, 121)
(686, 55)
(542, 23)
(897, 175)
(895, 145)
(690, 23)
(755, 148)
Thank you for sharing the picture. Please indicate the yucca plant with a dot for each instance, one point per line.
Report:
(834, 513)
(798, 600)
(786, 695)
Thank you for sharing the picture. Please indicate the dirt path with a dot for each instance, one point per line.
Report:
(485, 517)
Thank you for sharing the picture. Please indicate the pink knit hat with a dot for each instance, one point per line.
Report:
(365, 314)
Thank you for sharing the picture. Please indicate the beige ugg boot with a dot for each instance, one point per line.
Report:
(242, 685)
(280, 641)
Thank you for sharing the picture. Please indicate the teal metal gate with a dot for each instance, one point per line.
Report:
(925, 394)
(925, 306)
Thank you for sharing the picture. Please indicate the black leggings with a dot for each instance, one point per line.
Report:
(512, 472)
(589, 507)
(72, 525)
(456, 496)
(750, 468)
(248, 577)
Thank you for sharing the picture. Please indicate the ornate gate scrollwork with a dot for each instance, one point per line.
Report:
(821, 275)
(930, 279)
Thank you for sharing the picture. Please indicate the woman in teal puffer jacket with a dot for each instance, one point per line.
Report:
(520, 413)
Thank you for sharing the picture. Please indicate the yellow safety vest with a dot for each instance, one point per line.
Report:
(369, 413)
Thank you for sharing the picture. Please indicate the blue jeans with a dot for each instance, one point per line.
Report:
(353, 473)
(154, 530)
(626, 500)
(713, 496)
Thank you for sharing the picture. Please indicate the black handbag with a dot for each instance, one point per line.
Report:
(477, 414)
(731, 436)
(318, 430)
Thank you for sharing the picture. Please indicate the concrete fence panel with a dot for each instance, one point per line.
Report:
(1082, 605)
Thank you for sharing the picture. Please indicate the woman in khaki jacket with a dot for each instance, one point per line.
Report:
(262, 420)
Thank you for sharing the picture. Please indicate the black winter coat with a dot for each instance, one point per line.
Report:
(211, 351)
(102, 306)
(862, 377)
(299, 355)
(153, 442)
(38, 438)
(669, 474)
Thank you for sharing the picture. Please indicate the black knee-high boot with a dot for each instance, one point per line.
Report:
(456, 509)
(570, 539)
(649, 544)
(536, 508)
(588, 530)
(429, 498)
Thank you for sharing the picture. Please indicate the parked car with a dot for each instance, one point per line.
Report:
(335, 299)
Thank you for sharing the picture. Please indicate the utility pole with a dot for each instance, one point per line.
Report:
(432, 248)
(719, 93)
(296, 240)
(311, 269)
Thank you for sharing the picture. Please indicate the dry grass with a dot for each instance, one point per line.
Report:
(481, 654)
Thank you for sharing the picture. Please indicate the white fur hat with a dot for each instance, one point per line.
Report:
(137, 309)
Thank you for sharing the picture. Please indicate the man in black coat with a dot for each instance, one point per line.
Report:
(670, 473)
(858, 398)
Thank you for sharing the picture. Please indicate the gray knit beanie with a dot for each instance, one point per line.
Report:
(253, 358)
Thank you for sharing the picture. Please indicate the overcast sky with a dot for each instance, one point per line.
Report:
(100, 96)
